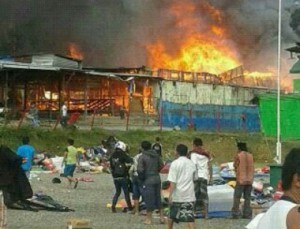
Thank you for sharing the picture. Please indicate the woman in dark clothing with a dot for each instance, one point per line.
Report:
(119, 162)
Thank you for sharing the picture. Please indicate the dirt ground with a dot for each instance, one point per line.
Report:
(90, 201)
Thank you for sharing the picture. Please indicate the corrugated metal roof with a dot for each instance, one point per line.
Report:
(19, 65)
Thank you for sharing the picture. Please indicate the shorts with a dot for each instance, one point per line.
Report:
(182, 212)
(136, 188)
(201, 194)
(69, 170)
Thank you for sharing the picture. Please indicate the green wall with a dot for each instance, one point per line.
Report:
(296, 83)
(289, 112)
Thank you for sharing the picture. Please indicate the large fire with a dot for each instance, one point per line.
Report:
(204, 46)
(207, 50)
(196, 54)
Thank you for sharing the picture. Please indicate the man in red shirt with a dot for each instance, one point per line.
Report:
(244, 169)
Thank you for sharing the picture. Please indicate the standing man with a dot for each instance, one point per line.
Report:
(202, 160)
(182, 195)
(149, 165)
(71, 159)
(64, 115)
(27, 152)
(119, 163)
(157, 146)
(244, 170)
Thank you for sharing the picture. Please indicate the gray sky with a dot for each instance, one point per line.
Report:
(114, 33)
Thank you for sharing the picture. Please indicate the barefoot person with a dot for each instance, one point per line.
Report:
(71, 160)
(202, 160)
(182, 174)
(149, 165)
(244, 170)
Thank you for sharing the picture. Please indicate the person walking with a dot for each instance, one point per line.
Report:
(149, 165)
(33, 115)
(119, 163)
(284, 213)
(181, 175)
(70, 161)
(244, 170)
(27, 152)
(202, 160)
(64, 115)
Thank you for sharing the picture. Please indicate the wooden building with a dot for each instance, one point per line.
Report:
(50, 79)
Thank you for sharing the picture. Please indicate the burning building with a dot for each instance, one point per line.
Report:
(205, 58)
(50, 79)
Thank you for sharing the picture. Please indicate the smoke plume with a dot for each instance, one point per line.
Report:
(115, 33)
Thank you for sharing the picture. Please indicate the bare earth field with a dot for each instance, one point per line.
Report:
(89, 201)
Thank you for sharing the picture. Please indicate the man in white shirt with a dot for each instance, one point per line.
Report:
(182, 196)
(201, 158)
(64, 115)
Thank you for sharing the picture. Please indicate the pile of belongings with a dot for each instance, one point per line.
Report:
(91, 160)
(263, 195)
(227, 171)
(47, 162)
(94, 160)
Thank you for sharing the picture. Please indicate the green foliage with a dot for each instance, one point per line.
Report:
(222, 145)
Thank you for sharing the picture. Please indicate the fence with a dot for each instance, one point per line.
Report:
(167, 115)
(211, 117)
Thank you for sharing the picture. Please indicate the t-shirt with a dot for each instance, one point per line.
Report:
(72, 155)
(27, 153)
(182, 172)
(201, 162)
(64, 110)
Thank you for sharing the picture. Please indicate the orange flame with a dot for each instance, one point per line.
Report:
(196, 54)
(74, 51)
(202, 45)
(208, 50)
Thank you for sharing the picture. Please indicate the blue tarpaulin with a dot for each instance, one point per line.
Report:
(211, 117)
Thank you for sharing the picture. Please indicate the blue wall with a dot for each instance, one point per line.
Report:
(211, 117)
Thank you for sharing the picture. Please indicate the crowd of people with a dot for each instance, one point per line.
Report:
(190, 174)
(188, 178)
